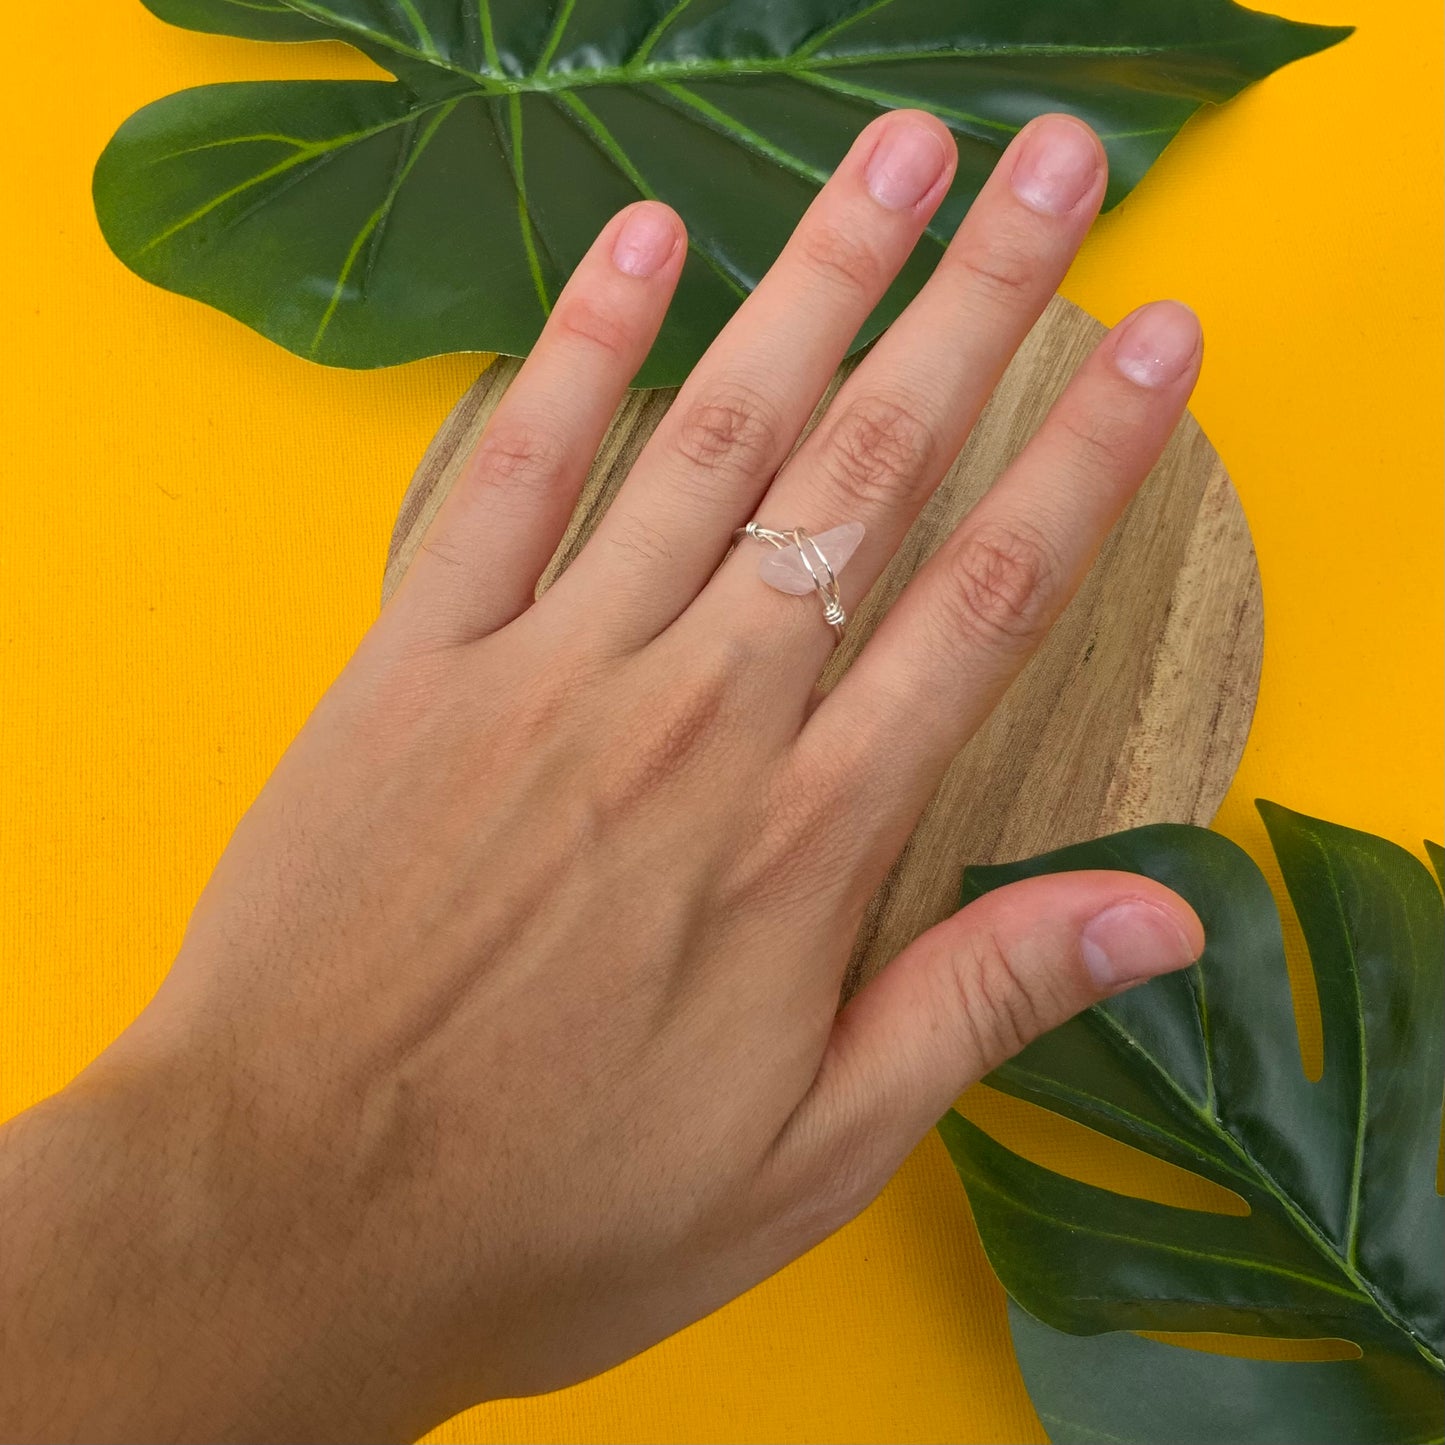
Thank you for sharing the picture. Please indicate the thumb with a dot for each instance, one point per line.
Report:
(962, 998)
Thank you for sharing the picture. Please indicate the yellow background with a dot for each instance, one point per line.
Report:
(194, 527)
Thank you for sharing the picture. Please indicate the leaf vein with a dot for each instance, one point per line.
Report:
(554, 40)
(1287, 1202)
(489, 39)
(319, 151)
(817, 41)
(408, 154)
(232, 140)
(967, 122)
(524, 210)
(1246, 1262)
(639, 56)
(1357, 1162)
(314, 11)
(607, 143)
(423, 35)
(1136, 1122)
(735, 131)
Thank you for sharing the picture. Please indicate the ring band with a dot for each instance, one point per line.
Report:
(809, 564)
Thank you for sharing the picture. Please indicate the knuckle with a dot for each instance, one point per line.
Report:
(794, 849)
(550, 706)
(578, 319)
(1000, 270)
(665, 736)
(877, 452)
(1000, 583)
(841, 1178)
(1098, 439)
(729, 429)
(840, 261)
(998, 1011)
(515, 453)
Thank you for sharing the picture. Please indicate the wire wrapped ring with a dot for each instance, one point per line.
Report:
(817, 566)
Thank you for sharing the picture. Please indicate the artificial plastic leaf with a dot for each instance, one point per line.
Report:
(1121, 1387)
(1345, 1237)
(365, 223)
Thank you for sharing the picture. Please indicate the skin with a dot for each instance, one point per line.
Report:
(505, 1040)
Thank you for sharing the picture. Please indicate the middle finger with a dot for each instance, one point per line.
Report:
(902, 417)
(741, 410)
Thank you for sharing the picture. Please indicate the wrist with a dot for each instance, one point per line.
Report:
(102, 1326)
(148, 1289)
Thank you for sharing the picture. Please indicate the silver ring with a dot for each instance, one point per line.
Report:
(810, 563)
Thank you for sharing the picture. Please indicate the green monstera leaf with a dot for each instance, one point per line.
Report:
(1345, 1235)
(365, 223)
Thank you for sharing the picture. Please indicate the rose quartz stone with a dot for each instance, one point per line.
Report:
(783, 568)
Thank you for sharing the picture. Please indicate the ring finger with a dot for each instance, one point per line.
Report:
(969, 621)
(902, 417)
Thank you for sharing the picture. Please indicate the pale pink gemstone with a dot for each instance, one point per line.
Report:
(783, 568)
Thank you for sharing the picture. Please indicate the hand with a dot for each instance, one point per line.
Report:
(504, 1041)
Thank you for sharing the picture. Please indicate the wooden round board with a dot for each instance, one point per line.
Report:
(1134, 711)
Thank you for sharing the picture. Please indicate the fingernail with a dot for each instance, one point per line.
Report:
(1132, 941)
(1156, 345)
(645, 242)
(905, 165)
(1057, 167)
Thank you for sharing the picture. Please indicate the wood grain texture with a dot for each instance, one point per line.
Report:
(1134, 711)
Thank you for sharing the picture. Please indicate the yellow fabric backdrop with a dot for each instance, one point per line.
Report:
(194, 527)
